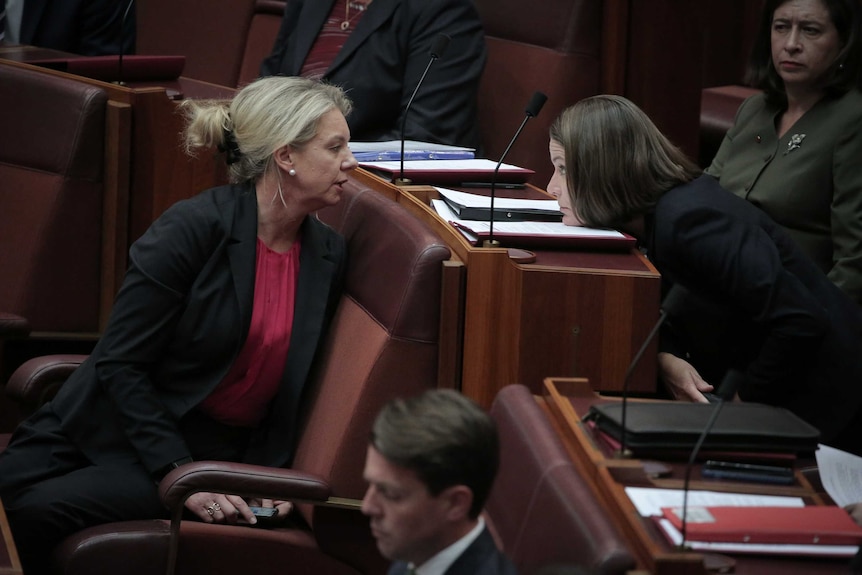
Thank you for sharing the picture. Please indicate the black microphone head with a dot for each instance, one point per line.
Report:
(731, 382)
(440, 44)
(673, 299)
(534, 106)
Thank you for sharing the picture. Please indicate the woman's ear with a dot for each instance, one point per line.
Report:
(283, 157)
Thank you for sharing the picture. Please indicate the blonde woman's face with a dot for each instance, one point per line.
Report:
(558, 186)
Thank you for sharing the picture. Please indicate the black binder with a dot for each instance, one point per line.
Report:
(676, 425)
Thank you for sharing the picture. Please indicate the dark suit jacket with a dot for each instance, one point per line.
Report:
(86, 27)
(179, 321)
(481, 558)
(757, 304)
(383, 59)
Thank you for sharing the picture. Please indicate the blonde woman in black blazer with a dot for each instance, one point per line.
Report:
(137, 408)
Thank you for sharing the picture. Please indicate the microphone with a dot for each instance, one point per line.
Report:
(671, 302)
(440, 44)
(725, 392)
(534, 106)
(123, 43)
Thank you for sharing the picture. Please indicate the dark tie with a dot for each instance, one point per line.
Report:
(2, 20)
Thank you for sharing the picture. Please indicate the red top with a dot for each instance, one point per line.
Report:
(243, 396)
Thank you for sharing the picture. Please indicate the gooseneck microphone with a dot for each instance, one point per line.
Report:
(725, 392)
(671, 302)
(534, 106)
(440, 44)
(123, 43)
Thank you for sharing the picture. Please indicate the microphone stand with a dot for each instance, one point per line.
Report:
(437, 50)
(726, 391)
(533, 108)
(125, 17)
(671, 301)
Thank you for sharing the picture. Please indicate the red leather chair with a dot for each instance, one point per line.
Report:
(552, 46)
(718, 108)
(541, 509)
(51, 187)
(383, 343)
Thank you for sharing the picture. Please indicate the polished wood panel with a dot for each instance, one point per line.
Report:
(10, 564)
(570, 313)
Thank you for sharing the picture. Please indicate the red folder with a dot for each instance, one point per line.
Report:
(810, 525)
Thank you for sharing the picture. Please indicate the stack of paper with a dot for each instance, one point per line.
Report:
(525, 233)
(413, 150)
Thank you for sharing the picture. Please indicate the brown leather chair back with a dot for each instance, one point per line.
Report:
(51, 185)
(211, 35)
(552, 47)
(541, 509)
(262, 32)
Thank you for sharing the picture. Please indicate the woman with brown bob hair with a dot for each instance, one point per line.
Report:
(752, 300)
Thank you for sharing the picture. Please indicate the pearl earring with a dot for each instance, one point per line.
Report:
(292, 172)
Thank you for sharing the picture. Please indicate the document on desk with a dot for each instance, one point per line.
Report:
(841, 474)
(650, 502)
(450, 172)
(536, 234)
(413, 150)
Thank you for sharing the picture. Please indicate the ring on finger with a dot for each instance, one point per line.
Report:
(211, 509)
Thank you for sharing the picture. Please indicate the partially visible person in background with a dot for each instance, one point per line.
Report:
(795, 151)
(752, 301)
(377, 50)
(84, 27)
(430, 466)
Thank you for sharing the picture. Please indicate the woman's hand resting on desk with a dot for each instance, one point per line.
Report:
(233, 509)
(682, 379)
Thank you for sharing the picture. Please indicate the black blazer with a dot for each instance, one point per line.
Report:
(756, 303)
(384, 58)
(179, 321)
(481, 558)
(86, 27)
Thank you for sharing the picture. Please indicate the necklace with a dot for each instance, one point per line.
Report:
(360, 7)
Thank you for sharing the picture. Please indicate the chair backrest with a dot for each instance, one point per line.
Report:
(539, 495)
(552, 46)
(211, 35)
(51, 187)
(262, 32)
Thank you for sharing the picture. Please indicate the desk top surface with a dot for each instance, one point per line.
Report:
(569, 400)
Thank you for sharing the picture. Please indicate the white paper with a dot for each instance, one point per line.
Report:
(841, 474)
(650, 500)
(475, 165)
(479, 201)
(526, 228)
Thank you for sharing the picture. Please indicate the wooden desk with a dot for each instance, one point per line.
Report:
(9, 562)
(569, 313)
(567, 401)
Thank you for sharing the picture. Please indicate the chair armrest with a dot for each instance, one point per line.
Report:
(12, 325)
(37, 380)
(241, 479)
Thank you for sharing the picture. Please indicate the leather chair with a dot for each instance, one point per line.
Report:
(383, 343)
(541, 509)
(260, 38)
(718, 108)
(553, 46)
(51, 190)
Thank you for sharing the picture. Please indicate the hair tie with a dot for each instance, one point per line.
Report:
(230, 147)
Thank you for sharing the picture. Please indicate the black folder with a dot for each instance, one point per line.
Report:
(676, 425)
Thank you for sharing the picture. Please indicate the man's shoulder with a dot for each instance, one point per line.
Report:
(482, 557)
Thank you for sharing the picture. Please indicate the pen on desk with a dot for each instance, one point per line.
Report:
(498, 185)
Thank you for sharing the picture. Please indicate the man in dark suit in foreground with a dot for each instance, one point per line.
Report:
(430, 465)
